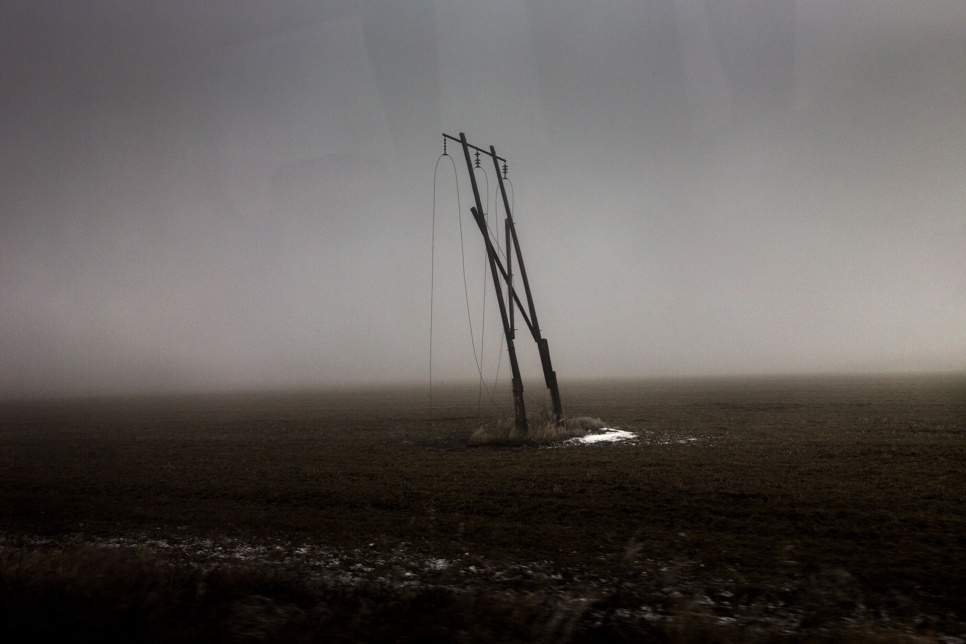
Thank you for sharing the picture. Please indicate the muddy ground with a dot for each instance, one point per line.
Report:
(779, 509)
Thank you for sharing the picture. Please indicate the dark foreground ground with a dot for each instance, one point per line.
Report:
(803, 509)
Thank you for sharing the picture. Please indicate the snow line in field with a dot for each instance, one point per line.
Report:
(663, 590)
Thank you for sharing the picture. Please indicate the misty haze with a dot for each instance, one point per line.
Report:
(241, 196)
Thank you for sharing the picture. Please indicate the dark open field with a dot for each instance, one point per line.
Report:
(769, 509)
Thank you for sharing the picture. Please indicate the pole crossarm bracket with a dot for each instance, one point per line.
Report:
(512, 302)
(473, 147)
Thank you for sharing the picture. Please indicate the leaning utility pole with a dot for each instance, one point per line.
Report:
(500, 272)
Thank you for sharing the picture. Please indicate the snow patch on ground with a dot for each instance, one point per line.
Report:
(608, 435)
(632, 437)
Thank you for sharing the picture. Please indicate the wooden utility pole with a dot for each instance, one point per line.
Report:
(501, 273)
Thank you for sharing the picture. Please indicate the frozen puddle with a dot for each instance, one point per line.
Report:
(640, 437)
(607, 435)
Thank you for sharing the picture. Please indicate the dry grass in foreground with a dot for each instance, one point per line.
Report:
(141, 589)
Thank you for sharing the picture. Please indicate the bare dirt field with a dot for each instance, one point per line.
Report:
(780, 509)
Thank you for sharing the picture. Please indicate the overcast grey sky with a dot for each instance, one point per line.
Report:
(233, 194)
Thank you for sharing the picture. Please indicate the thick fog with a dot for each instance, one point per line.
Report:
(229, 194)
